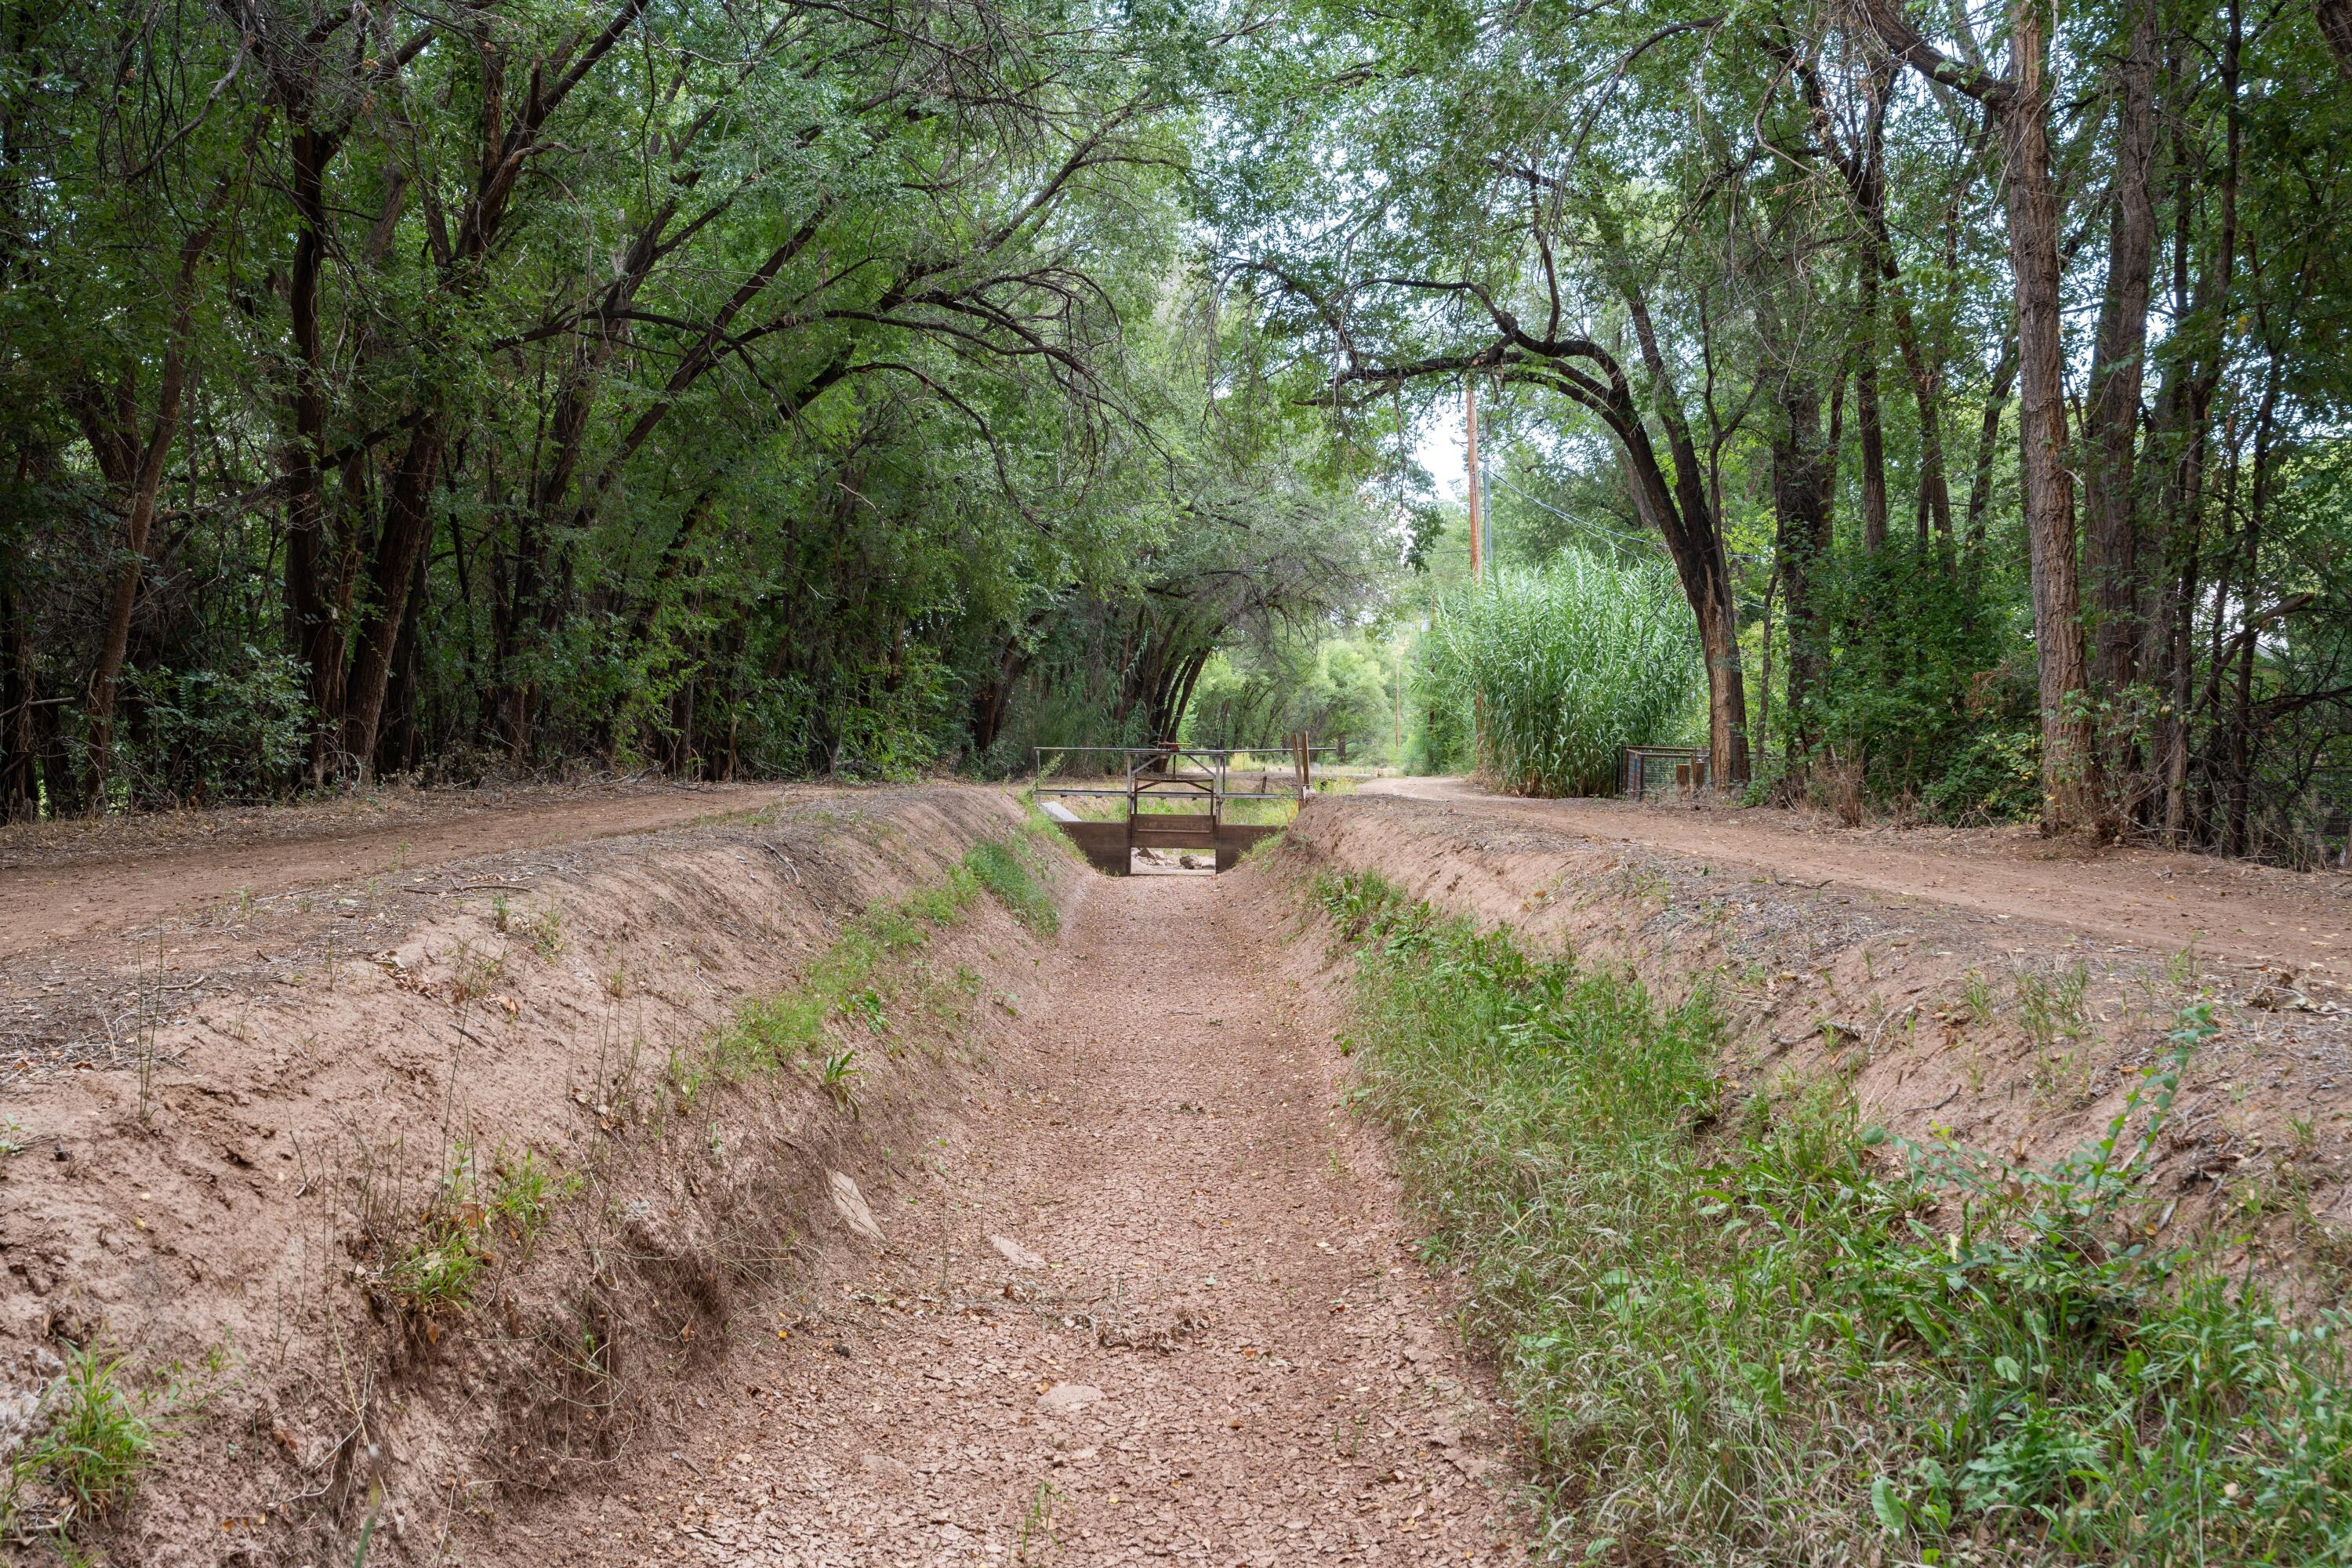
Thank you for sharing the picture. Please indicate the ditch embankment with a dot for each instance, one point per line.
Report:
(849, 1176)
(1811, 1222)
(384, 1205)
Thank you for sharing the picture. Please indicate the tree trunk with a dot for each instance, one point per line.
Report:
(20, 792)
(2004, 376)
(1802, 473)
(2069, 776)
(396, 750)
(1935, 504)
(122, 598)
(1694, 537)
(313, 629)
(2240, 840)
(989, 700)
(2071, 788)
(2335, 27)
(408, 524)
(1869, 426)
(2111, 545)
(2194, 362)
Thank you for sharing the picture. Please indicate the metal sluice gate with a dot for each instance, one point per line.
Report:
(1174, 798)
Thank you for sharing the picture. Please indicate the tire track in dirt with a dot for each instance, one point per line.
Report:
(1204, 1337)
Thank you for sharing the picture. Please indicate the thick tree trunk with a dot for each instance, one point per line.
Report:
(407, 524)
(2112, 553)
(2070, 763)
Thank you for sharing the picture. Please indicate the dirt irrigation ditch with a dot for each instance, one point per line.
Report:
(850, 1177)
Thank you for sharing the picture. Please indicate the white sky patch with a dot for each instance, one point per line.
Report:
(1443, 449)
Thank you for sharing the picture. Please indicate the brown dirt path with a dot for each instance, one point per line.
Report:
(60, 882)
(2250, 915)
(1223, 1351)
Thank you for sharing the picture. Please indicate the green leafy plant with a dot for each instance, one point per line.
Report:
(842, 1076)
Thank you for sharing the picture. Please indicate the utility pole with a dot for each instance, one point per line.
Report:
(1477, 557)
(1478, 545)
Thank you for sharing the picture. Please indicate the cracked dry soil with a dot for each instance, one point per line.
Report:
(1151, 1301)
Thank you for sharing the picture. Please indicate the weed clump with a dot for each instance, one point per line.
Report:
(100, 1438)
(846, 984)
(1777, 1336)
(437, 1272)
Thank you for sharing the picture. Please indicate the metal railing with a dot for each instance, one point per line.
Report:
(1161, 772)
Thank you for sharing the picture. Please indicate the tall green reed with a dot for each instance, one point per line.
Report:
(1564, 666)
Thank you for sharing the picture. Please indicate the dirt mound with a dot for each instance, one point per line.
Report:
(400, 1201)
(2012, 1034)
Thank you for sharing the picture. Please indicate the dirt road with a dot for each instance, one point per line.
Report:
(1201, 1338)
(2252, 915)
(63, 881)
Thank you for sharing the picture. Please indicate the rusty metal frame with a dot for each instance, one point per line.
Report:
(1690, 768)
(1156, 773)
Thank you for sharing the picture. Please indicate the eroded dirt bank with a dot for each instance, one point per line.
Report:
(1149, 1298)
(404, 1197)
(2013, 1022)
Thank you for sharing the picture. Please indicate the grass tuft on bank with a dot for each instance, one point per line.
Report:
(1762, 1333)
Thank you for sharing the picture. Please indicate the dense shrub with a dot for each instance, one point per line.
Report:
(1925, 687)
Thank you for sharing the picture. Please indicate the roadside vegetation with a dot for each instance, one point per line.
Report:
(1757, 1331)
(1978, 371)
(1543, 674)
(845, 982)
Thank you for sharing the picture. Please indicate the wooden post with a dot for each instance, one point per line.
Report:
(1477, 544)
